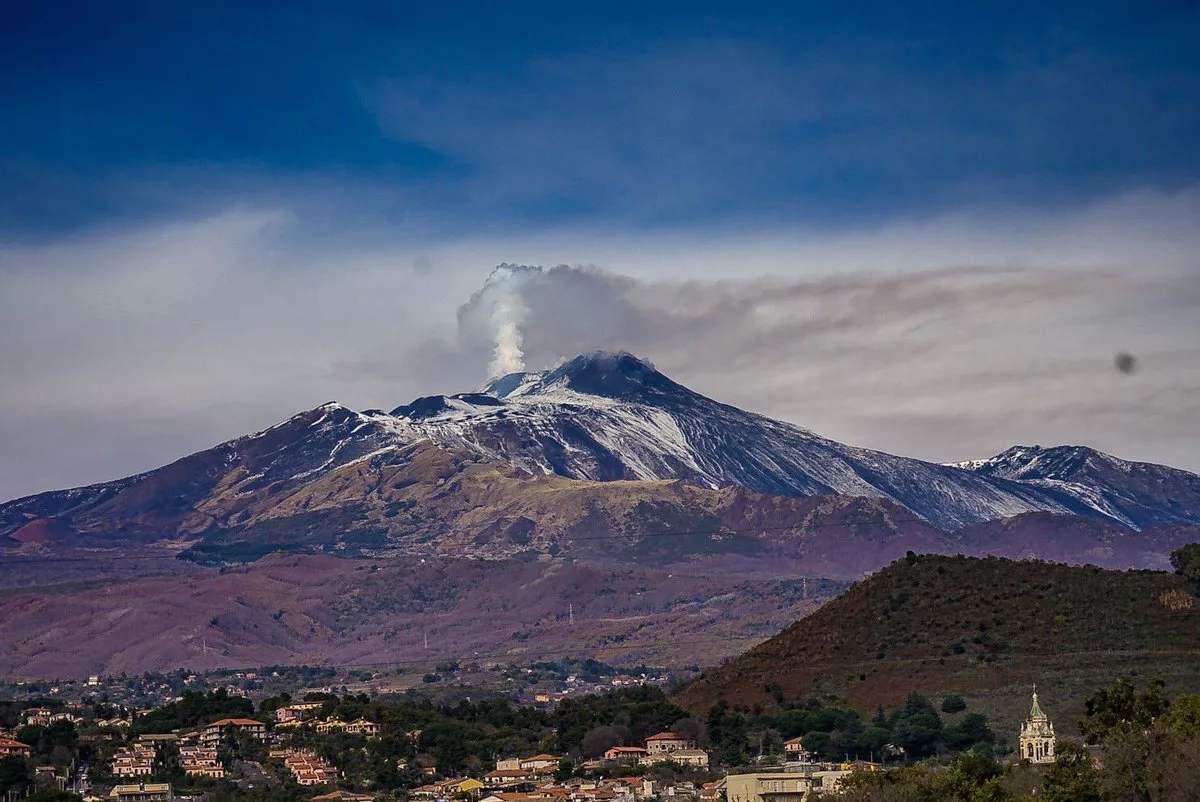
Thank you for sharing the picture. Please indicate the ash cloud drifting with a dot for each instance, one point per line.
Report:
(528, 314)
(189, 334)
(994, 354)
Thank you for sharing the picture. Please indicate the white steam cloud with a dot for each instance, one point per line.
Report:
(501, 294)
(941, 364)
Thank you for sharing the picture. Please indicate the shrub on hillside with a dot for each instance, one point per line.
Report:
(954, 704)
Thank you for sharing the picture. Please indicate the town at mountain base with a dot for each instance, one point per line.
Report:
(1050, 646)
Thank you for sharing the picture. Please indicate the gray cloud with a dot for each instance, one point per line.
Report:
(992, 355)
(945, 338)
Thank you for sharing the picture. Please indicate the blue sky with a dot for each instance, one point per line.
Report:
(452, 116)
(923, 227)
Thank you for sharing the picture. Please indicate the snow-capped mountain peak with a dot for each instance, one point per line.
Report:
(601, 374)
(610, 416)
(1136, 494)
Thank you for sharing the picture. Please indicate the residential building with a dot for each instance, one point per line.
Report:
(343, 796)
(794, 750)
(513, 797)
(214, 733)
(468, 785)
(1037, 735)
(712, 792)
(428, 791)
(39, 716)
(44, 716)
(200, 761)
(511, 779)
(9, 747)
(668, 742)
(449, 789)
(773, 786)
(625, 754)
(47, 777)
(683, 757)
(830, 780)
(114, 723)
(136, 761)
(143, 792)
(297, 712)
(540, 762)
(363, 727)
(508, 764)
(308, 768)
(332, 725)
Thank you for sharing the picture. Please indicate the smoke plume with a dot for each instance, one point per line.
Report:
(874, 358)
(501, 296)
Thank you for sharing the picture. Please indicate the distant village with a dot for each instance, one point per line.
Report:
(539, 683)
(102, 751)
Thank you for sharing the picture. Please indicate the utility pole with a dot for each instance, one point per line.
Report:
(571, 614)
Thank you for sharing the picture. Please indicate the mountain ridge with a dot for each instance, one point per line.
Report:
(604, 418)
(1135, 494)
(638, 473)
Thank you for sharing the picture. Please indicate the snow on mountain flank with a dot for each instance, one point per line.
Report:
(605, 416)
(1135, 494)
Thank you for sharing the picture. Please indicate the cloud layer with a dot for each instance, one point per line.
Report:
(944, 339)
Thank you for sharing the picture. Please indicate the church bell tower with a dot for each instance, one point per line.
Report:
(1037, 735)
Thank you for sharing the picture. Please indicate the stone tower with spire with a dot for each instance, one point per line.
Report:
(1037, 735)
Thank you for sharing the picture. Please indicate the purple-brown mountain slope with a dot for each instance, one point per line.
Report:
(486, 472)
(603, 470)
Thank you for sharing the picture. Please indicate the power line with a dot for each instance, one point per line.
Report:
(13, 560)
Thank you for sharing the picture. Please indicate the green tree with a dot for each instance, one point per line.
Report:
(727, 734)
(45, 740)
(194, 708)
(954, 704)
(273, 703)
(1186, 562)
(1183, 716)
(53, 795)
(14, 774)
(972, 731)
(919, 728)
(1121, 707)
(975, 778)
(970, 778)
(1073, 777)
(818, 743)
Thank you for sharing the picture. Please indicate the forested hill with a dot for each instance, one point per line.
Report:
(988, 628)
